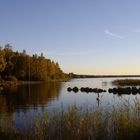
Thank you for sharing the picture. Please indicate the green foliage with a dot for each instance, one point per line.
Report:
(26, 67)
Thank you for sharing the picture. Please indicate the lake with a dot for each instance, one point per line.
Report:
(29, 101)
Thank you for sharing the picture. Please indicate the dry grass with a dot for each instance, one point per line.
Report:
(127, 82)
(77, 123)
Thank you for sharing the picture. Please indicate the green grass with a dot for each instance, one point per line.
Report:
(118, 123)
(127, 82)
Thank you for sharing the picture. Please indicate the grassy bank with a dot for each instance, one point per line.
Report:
(127, 82)
(77, 123)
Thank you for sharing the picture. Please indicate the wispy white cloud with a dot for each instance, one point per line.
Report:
(136, 31)
(112, 34)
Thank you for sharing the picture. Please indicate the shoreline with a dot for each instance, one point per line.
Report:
(102, 76)
(7, 84)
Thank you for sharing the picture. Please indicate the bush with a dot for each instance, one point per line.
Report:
(0, 78)
(12, 78)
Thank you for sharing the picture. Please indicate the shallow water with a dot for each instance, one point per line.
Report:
(23, 103)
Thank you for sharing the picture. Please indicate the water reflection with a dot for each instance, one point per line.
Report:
(23, 97)
(26, 101)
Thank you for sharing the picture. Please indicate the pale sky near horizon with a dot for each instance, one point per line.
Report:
(83, 36)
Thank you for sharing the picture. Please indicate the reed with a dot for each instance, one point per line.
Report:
(118, 123)
(127, 82)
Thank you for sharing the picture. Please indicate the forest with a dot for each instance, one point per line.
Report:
(16, 65)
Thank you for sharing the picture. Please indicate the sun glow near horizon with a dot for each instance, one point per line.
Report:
(134, 70)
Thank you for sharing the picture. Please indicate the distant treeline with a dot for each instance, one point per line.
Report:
(72, 75)
(16, 65)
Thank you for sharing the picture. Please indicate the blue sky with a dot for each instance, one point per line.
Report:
(84, 36)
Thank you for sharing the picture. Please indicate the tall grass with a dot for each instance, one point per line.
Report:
(118, 123)
(127, 82)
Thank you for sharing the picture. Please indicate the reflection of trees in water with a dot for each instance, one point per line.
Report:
(25, 96)
(4, 114)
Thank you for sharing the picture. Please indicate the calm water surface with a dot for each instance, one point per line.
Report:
(27, 101)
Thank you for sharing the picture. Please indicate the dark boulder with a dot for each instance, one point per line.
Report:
(110, 90)
(75, 89)
(87, 89)
(82, 89)
(69, 89)
(128, 90)
(134, 90)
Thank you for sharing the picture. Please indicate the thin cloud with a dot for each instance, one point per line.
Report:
(112, 34)
(136, 31)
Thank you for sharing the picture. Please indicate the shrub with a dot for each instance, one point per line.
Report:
(0, 78)
(12, 78)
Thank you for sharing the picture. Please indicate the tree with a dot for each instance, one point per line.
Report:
(26, 67)
(19, 60)
(8, 58)
(2, 61)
